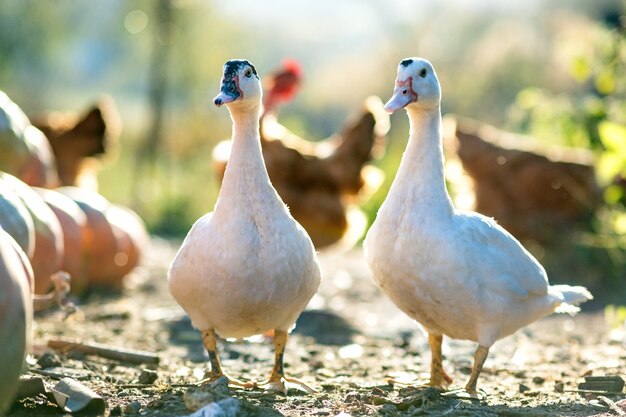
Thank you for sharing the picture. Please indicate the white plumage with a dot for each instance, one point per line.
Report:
(457, 273)
(248, 267)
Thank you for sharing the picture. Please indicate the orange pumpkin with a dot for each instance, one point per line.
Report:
(14, 150)
(16, 220)
(40, 167)
(99, 238)
(113, 238)
(131, 235)
(24, 150)
(16, 313)
(48, 254)
(74, 223)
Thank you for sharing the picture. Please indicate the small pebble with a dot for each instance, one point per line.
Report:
(132, 407)
(352, 397)
(316, 364)
(233, 354)
(49, 359)
(329, 387)
(523, 388)
(198, 397)
(465, 370)
(379, 400)
(76, 354)
(147, 376)
(539, 380)
(389, 409)
(156, 403)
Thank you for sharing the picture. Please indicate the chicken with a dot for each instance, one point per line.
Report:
(76, 141)
(282, 85)
(535, 193)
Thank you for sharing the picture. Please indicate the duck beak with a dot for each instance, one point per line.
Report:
(403, 95)
(229, 92)
(223, 98)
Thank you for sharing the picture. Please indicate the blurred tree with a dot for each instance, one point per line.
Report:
(26, 46)
(158, 79)
(157, 87)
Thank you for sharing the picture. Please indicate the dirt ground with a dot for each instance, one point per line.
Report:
(346, 345)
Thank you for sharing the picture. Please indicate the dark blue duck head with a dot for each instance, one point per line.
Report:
(235, 79)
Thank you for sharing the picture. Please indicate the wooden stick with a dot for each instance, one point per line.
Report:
(612, 406)
(104, 351)
(158, 387)
(592, 391)
(53, 375)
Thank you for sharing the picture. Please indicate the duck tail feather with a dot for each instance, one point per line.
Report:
(571, 297)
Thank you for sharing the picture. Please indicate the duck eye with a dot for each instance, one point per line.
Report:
(404, 91)
(248, 73)
(423, 73)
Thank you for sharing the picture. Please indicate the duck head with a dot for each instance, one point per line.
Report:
(417, 86)
(240, 82)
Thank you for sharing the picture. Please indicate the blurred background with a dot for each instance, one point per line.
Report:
(553, 70)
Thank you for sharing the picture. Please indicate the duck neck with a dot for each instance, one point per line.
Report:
(246, 175)
(420, 181)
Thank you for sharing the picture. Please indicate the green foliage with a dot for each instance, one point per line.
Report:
(615, 315)
(611, 165)
(594, 117)
(396, 143)
(22, 38)
(173, 217)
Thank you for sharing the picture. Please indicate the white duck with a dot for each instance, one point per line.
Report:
(248, 267)
(457, 273)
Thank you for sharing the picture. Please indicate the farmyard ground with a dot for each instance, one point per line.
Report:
(346, 345)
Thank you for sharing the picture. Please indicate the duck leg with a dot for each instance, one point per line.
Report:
(209, 339)
(479, 360)
(277, 380)
(438, 377)
(470, 392)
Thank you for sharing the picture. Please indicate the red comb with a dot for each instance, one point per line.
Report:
(292, 66)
